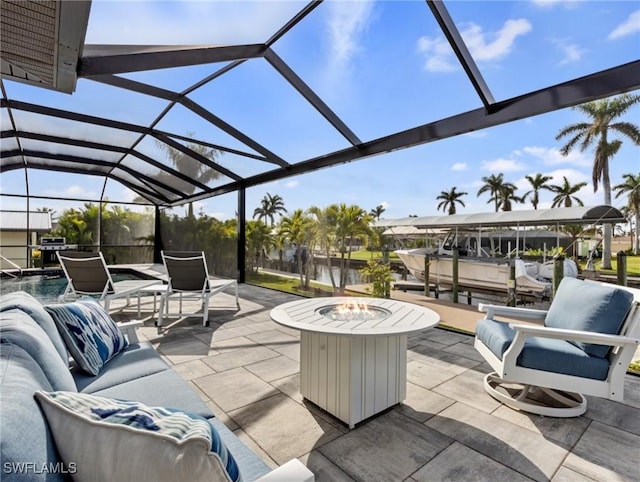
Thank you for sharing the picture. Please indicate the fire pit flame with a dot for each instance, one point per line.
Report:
(353, 311)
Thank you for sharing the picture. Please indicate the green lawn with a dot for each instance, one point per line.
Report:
(633, 266)
(367, 255)
(289, 285)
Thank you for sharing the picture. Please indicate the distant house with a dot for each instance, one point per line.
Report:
(14, 240)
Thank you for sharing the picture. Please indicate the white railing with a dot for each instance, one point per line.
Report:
(14, 267)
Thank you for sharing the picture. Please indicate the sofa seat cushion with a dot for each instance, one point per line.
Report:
(20, 300)
(546, 354)
(18, 328)
(135, 361)
(89, 333)
(165, 389)
(25, 440)
(136, 441)
(588, 306)
(251, 466)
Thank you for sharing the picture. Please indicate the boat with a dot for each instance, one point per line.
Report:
(486, 255)
(483, 271)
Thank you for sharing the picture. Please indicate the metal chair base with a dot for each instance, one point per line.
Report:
(532, 399)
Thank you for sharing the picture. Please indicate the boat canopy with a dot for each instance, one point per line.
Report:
(534, 217)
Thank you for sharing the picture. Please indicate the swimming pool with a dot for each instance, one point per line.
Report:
(47, 288)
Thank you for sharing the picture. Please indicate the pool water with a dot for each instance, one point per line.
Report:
(46, 289)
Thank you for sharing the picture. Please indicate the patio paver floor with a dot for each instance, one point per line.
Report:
(246, 368)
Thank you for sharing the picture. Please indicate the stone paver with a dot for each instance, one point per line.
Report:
(522, 450)
(234, 388)
(458, 462)
(289, 430)
(274, 368)
(238, 358)
(389, 447)
(606, 453)
(247, 370)
(566, 431)
(468, 388)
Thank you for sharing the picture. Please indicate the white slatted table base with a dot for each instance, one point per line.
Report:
(353, 377)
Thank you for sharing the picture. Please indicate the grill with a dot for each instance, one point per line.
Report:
(49, 246)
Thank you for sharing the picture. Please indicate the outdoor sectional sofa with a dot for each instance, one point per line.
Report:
(34, 359)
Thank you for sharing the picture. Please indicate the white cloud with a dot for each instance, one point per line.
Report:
(552, 156)
(483, 46)
(291, 184)
(459, 166)
(384, 204)
(570, 52)
(553, 3)
(477, 134)
(219, 215)
(73, 191)
(438, 53)
(502, 165)
(347, 21)
(628, 27)
(197, 22)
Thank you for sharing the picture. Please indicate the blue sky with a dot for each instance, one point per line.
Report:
(382, 67)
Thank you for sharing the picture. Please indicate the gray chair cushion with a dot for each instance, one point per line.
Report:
(24, 432)
(557, 356)
(163, 389)
(23, 301)
(135, 361)
(251, 466)
(586, 306)
(18, 328)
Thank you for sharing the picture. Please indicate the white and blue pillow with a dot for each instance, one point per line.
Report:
(90, 334)
(111, 439)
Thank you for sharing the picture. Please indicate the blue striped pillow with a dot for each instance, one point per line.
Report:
(168, 444)
(90, 334)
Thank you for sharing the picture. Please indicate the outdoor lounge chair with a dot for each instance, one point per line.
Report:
(584, 347)
(87, 274)
(189, 279)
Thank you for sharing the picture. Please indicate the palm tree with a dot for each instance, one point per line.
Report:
(259, 241)
(631, 185)
(449, 200)
(299, 229)
(492, 184)
(565, 194)
(508, 196)
(191, 167)
(351, 222)
(269, 207)
(538, 182)
(377, 211)
(603, 118)
(326, 223)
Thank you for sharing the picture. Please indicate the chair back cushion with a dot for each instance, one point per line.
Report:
(86, 272)
(587, 306)
(187, 271)
(23, 301)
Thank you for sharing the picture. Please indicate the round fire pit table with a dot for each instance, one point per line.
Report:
(353, 351)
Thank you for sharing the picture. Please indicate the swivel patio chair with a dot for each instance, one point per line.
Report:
(189, 279)
(87, 274)
(583, 347)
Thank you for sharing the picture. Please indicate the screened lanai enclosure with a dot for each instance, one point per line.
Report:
(122, 126)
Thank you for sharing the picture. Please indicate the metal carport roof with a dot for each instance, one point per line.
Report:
(532, 217)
